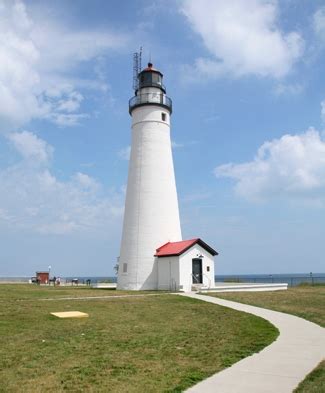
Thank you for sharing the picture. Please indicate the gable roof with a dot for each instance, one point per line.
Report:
(178, 248)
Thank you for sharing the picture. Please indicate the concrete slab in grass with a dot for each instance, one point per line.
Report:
(70, 314)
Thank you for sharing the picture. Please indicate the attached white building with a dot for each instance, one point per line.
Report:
(185, 264)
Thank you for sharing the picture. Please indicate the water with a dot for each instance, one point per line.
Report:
(14, 279)
(292, 279)
(81, 279)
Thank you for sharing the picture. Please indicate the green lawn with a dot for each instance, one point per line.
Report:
(21, 292)
(162, 343)
(305, 301)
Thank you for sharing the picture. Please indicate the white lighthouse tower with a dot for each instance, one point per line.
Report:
(151, 216)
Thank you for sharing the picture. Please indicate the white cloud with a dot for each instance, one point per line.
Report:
(38, 64)
(292, 166)
(31, 147)
(38, 59)
(18, 58)
(176, 145)
(86, 181)
(68, 48)
(319, 22)
(292, 89)
(66, 119)
(4, 215)
(243, 38)
(322, 105)
(32, 198)
(71, 103)
(124, 154)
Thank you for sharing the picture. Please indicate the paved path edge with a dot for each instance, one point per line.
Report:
(280, 366)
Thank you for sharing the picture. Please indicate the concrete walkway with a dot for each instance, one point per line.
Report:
(277, 368)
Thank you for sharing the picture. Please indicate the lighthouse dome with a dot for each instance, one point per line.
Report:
(151, 77)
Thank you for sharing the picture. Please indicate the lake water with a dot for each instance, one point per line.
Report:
(292, 279)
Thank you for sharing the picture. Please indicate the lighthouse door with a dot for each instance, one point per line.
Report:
(197, 270)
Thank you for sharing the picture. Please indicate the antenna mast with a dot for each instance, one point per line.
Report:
(136, 68)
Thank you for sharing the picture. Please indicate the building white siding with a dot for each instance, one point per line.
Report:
(168, 273)
(185, 264)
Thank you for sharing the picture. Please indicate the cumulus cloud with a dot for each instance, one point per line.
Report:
(19, 78)
(292, 166)
(37, 58)
(124, 154)
(31, 147)
(86, 181)
(288, 89)
(32, 198)
(322, 105)
(176, 145)
(319, 22)
(243, 38)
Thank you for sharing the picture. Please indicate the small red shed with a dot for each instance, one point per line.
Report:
(43, 277)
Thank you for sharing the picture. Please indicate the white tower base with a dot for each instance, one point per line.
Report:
(151, 215)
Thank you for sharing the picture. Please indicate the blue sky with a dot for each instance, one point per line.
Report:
(247, 82)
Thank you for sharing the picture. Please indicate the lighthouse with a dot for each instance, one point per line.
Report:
(151, 216)
(153, 254)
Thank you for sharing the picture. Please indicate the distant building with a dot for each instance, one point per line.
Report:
(43, 277)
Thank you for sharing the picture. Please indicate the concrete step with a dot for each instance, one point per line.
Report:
(199, 287)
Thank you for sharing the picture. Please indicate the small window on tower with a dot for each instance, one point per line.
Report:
(125, 267)
(163, 116)
(208, 268)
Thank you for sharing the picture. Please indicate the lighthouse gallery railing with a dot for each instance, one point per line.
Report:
(150, 98)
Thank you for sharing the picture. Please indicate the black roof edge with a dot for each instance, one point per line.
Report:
(207, 247)
(151, 70)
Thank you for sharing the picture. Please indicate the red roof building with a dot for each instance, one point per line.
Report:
(178, 248)
(185, 265)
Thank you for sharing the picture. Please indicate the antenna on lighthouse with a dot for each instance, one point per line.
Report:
(136, 68)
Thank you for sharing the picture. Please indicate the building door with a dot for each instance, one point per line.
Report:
(197, 270)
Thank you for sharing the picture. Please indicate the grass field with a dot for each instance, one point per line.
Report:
(162, 343)
(305, 301)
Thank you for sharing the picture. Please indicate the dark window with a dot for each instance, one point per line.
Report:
(156, 79)
(125, 267)
(145, 79)
(208, 268)
(163, 116)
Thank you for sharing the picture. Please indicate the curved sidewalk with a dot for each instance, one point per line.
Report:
(277, 368)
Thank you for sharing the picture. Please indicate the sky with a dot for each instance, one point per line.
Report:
(247, 82)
